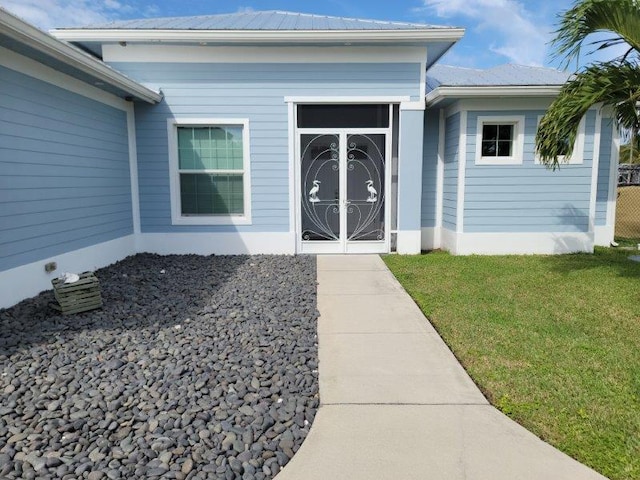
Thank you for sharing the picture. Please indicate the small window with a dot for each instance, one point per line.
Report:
(210, 179)
(577, 156)
(499, 140)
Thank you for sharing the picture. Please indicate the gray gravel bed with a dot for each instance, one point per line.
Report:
(197, 367)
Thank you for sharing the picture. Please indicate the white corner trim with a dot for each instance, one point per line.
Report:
(449, 240)
(28, 280)
(115, 52)
(133, 168)
(408, 242)
(399, 182)
(423, 78)
(430, 238)
(34, 69)
(577, 157)
(174, 182)
(507, 243)
(517, 154)
(519, 91)
(440, 173)
(219, 243)
(417, 105)
(595, 170)
(462, 167)
(603, 235)
(350, 99)
(612, 197)
(260, 36)
(291, 141)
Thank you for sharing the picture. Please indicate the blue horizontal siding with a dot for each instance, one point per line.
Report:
(410, 169)
(527, 197)
(430, 167)
(64, 163)
(451, 158)
(602, 195)
(253, 91)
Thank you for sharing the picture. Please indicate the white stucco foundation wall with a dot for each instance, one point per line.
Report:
(516, 243)
(408, 242)
(28, 280)
(603, 235)
(431, 238)
(218, 243)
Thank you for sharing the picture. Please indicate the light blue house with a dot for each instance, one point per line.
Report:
(276, 132)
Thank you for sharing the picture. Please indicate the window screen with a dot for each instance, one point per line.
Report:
(343, 116)
(210, 162)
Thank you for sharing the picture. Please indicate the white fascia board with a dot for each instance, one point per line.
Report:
(262, 36)
(440, 93)
(349, 99)
(34, 38)
(185, 53)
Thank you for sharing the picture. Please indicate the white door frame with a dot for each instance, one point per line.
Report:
(343, 245)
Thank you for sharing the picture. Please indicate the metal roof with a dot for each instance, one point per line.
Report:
(262, 20)
(502, 75)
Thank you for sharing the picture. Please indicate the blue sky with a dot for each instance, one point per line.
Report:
(497, 31)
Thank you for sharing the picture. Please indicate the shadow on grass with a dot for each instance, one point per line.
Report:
(603, 258)
(141, 291)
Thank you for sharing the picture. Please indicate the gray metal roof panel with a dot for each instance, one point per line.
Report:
(501, 75)
(263, 20)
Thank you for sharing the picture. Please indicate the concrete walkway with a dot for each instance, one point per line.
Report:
(395, 402)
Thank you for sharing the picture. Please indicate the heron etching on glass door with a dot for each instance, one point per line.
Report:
(373, 193)
(313, 193)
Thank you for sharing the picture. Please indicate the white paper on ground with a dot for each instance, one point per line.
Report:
(67, 277)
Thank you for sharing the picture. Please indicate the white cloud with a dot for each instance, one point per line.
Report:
(47, 14)
(516, 32)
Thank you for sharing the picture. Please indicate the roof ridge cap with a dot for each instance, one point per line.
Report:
(257, 12)
(520, 65)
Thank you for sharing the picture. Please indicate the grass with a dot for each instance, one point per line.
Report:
(628, 243)
(552, 341)
(628, 212)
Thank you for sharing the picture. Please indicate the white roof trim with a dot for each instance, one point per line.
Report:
(37, 39)
(269, 36)
(440, 93)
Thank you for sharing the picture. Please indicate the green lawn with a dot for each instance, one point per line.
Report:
(552, 341)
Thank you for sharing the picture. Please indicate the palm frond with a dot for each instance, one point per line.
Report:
(615, 84)
(620, 17)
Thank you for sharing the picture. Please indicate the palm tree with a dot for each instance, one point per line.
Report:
(630, 153)
(614, 84)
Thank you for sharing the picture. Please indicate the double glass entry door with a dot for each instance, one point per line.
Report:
(343, 187)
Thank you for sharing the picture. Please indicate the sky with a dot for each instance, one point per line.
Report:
(497, 31)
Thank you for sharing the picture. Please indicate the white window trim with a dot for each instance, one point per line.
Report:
(577, 157)
(516, 157)
(174, 175)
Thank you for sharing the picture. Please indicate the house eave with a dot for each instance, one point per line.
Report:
(441, 93)
(262, 36)
(44, 43)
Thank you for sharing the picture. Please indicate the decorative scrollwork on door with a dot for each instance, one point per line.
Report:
(320, 167)
(365, 187)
